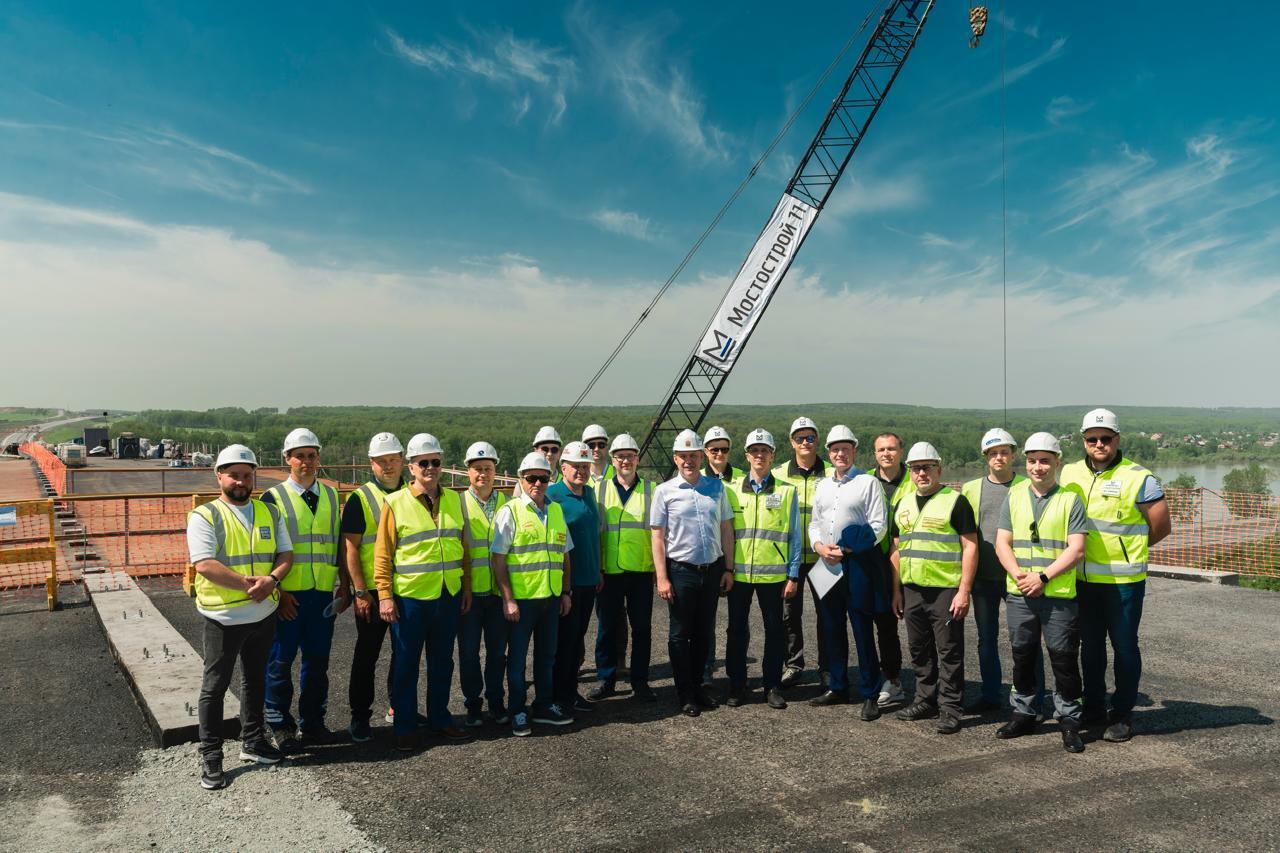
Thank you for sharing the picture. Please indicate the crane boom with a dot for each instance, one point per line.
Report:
(705, 373)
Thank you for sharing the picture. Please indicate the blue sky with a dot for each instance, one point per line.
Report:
(390, 180)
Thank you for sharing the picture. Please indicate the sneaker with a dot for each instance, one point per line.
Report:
(581, 704)
(918, 711)
(498, 713)
(286, 739)
(260, 751)
(391, 715)
(947, 725)
(791, 676)
(891, 694)
(552, 715)
(602, 690)
(360, 731)
(520, 725)
(474, 720)
(211, 778)
(1118, 732)
(321, 735)
(643, 692)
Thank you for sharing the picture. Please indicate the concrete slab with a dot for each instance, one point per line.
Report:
(163, 670)
(1200, 575)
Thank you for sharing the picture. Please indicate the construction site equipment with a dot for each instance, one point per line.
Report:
(576, 452)
(28, 547)
(717, 433)
(72, 455)
(760, 436)
(95, 437)
(127, 446)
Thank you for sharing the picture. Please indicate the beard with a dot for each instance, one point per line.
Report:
(239, 494)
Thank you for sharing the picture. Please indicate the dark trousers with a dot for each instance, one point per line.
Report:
(769, 595)
(888, 646)
(1115, 611)
(793, 624)
(223, 644)
(483, 621)
(370, 636)
(539, 621)
(571, 646)
(833, 609)
(430, 624)
(985, 601)
(626, 596)
(936, 643)
(692, 622)
(310, 632)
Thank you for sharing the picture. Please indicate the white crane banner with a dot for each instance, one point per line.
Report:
(755, 282)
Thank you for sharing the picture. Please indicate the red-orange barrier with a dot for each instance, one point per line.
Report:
(28, 547)
(50, 464)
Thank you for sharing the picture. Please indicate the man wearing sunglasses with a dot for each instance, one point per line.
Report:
(716, 445)
(422, 568)
(548, 443)
(1127, 514)
(893, 478)
(596, 438)
(805, 470)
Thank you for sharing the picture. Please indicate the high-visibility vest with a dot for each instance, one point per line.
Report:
(972, 491)
(481, 537)
(372, 499)
(928, 546)
(535, 562)
(627, 542)
(732, 475)
(597, 479)
(805, 486)
(1051, 533)
(428, 555)
(1115, 550)
(249, 552)
(761, 531)
(905, 487)
(314, 535)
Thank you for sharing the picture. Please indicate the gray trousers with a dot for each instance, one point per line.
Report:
(1054, 619)
(223, 645)
(936, 643)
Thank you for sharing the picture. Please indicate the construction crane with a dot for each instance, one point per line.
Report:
(725, 336)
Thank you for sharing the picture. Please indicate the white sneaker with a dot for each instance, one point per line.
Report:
(890, 694)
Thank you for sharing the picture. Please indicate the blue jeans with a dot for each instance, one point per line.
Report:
(833, 609)
(539, 622)
(432, 623)
(986, 598)
(775, 641)
(312, 634)
(634, 590)
(1110, 610)
(571, 645)
(484, 619)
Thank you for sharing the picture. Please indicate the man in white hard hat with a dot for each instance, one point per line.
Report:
(310, 509)
(596, 438)
(766, 561)
(532, 568)
(937, 559)
(625, 500)
(360, 517)
(845, 529)
(1042, 530)
(892, 474)
(548, 443)
(1127, 514)
(577, 500)
(805, 470)
(692, 538)
(241, 550)
(484, 619)
(716, 445)
(422, 569)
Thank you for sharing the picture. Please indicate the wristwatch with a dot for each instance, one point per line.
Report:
(359, 593)
(1044, 579)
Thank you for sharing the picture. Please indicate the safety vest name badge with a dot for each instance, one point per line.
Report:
(772, 501)
(264, 531)
(1111, 488)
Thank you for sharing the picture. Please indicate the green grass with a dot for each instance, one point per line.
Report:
(69, 432)
(21, 416)
(1253, 582)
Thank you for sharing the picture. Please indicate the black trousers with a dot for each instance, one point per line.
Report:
(692, 615)
(936, 642)
(571, 646)
(890, 647)
(223, 645)
(370, 637)
(793, 623)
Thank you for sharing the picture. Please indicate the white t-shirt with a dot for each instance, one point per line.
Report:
(202, 544)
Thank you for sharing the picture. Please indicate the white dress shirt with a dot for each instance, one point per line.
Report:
(856, 498)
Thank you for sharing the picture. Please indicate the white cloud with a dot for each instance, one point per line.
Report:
(1013, 75)
(856, 196)
(623, 222)
(1065, 107)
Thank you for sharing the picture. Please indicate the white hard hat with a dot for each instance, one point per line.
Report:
(840, 433)
(576, 452)
(235, 454)
(688, 440)
(547, 435)
(1104, 418)
(996, 437)
(624, 441)
(534, 462)
(481, 450)
(384, 443)
(422, 444)
(759, 436)
(595, 431)
(802, 423)
(1043, 441)
(716, 433)
(300, 437)
(923, 451)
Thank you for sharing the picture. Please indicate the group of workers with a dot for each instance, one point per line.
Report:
(1065, 547)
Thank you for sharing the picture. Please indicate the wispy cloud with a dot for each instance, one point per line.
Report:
(856, 196)
(518, 65)
(624, 222)
(1013, 75)
(1065, 107)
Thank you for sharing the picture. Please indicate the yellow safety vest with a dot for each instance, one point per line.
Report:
(905, 487)
(535, 562)
(372, 499)
(1115, 550)
(481, 538)
(627, 543)
(805, 486)
(1051, 533)
(929, 547)
(251, 553)
(314, 535)
(761, 531)
(597, 479)
(428, 555)
(972, 491)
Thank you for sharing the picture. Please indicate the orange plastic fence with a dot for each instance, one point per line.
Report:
(1223, 531)
(50, 464)
(28, 547)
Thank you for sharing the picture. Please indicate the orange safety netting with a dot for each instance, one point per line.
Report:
(50, 464)
(28, 546)
(1222, 531)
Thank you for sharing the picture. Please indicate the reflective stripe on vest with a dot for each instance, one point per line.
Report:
(535, 562)
(929, 547)
(428, 555)
(1115, 549)
(246, 552)
(481, 537)
(758, 528)
(627, 542)
(1050, 529)
(314, 535)
(805, 487)
(371, 499)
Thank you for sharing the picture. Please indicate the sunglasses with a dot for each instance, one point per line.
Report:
(548, 448)
(597, 445)
(428, 463)
(1099, 439)
(804, 439)
(534, 479)
(717, 450)
(1035, 534)
(921, 469)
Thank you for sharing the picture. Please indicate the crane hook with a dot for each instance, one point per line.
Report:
(977, 23)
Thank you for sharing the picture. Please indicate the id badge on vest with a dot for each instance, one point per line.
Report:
(772, 501)
(1111, 488)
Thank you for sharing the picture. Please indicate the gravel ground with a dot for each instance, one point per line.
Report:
(1204, 772)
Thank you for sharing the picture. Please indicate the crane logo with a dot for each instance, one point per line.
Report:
(722, 347)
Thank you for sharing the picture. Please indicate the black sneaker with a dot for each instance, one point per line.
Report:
(320, 736)
(360, 731)
(552, 715)
(581, 704)
(286, 739)
(498, 713)
(791, 676)
(474, 719)
(643, 692)
(520, 725)
(1119, 731)
(602, 690)
(830, 697)
(918, 711)
(947, 725)
(261, 751)
(211, 778)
